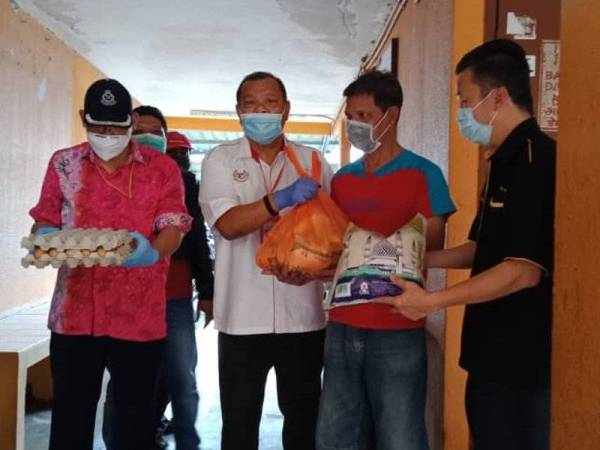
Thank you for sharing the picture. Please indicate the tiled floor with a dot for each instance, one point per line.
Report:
(37, 424)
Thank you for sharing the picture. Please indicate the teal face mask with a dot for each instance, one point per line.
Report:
(261, 127)
(151, 140)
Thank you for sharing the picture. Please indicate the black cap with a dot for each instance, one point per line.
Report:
(107, 102)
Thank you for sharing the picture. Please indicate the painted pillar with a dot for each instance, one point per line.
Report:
(468, 32)
(576, 335)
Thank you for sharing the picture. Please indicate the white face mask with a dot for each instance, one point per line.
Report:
(108, 146)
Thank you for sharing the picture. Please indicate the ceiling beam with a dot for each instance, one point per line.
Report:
(223, 124)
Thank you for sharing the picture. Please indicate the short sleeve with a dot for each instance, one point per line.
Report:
(171, 208)
(475, 226)
(49, 206)
(529, 213)
(217, 194)
(434, 198)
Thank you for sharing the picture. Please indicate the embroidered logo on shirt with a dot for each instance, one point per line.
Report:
(108, 98)
(240, 175)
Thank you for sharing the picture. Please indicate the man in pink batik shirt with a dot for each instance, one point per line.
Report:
(110, 317)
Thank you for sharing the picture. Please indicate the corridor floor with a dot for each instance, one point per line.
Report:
(37, 425)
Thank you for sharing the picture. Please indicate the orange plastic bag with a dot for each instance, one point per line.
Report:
(309, 238)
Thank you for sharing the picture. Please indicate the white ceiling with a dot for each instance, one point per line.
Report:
(183, 55)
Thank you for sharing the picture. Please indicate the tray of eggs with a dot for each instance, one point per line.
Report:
(74, 247)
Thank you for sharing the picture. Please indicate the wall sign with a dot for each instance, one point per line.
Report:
(531, 62)
(521, 26)
(549, 78)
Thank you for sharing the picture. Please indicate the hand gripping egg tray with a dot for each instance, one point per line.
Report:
(77, 246)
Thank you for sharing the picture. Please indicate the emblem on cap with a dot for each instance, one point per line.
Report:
(108, 98)
(240, 175)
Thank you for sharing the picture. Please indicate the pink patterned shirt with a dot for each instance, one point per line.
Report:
(78, 193)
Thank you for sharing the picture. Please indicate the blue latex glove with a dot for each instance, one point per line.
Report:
(45, 230)
(302, 190)
(143, 255)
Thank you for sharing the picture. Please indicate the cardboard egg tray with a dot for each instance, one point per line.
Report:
(77, 246)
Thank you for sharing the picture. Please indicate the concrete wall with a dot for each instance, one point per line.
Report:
(83, 74)
(424, 32)
(576, 339)
(42, 84)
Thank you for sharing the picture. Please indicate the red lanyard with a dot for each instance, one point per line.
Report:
(266, 227)
(256, 158)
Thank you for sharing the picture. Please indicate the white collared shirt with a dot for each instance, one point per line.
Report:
(245, 301)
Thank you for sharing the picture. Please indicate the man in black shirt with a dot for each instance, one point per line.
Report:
(506, 339)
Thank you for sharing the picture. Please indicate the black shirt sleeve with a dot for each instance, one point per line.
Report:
(195, 243)
(474, 230)
(530, 213)
(476, 225)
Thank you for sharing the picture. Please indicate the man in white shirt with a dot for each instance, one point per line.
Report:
(264, 321)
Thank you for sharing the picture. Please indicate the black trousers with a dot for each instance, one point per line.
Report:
(244, 362)
(507, 418)
(77, 364)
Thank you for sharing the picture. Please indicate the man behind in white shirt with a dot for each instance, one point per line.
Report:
(264, 321)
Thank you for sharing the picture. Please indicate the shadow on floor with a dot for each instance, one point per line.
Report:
(37, 424)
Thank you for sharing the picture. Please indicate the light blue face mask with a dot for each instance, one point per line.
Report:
(473, 130)
(262, 127)
(151, 140)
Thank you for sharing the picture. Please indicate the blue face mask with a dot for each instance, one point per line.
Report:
(261, 127)
(151, 140)
(473, 130)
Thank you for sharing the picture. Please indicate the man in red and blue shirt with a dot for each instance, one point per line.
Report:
(110, 317)
(375, 360)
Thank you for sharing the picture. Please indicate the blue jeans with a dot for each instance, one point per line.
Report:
(373, 390)
(179, 365)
